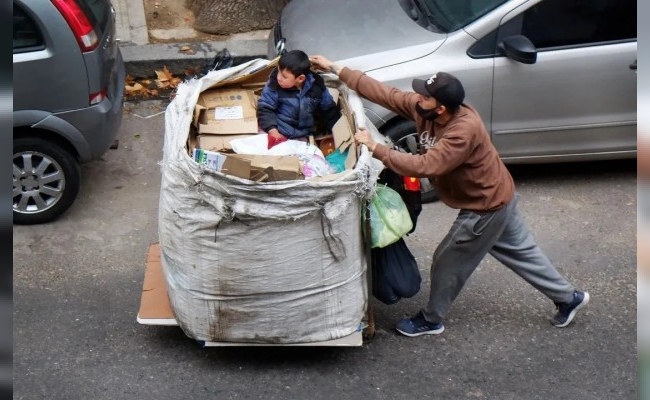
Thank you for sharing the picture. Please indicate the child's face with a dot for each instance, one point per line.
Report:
(287, 80)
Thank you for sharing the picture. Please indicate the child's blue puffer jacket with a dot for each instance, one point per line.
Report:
(293, 111)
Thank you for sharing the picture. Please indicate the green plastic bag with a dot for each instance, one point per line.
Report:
(389, 217)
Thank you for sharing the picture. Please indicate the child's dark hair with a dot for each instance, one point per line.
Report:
(296, 61)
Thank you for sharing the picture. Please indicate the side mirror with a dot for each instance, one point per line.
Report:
(519, 48)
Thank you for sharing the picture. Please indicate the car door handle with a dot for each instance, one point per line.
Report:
(633, 65)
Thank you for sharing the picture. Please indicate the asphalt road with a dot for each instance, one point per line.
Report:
(77, 286)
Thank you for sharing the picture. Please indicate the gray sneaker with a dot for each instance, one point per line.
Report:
(566, 311)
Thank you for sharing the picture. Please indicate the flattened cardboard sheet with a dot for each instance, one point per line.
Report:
(255, 74)
(155, 308)
(342, 134)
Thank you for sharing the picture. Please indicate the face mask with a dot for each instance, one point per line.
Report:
(430, 115)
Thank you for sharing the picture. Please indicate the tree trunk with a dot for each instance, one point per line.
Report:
(223, 17)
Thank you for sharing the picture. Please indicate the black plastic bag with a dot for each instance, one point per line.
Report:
(223, 59)
(395, 273)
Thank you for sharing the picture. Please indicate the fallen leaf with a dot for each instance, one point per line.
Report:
(134, 88)
(164, 75)
(149, 87)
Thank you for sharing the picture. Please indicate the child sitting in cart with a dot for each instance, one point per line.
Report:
(292, 99)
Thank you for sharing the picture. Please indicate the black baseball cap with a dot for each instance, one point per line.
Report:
(444, 87)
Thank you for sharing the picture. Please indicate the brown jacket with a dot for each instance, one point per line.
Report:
(462, 164)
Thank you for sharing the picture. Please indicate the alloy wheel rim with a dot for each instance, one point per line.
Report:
(409, 143)
(39, 182)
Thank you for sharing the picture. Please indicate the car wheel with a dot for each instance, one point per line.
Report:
(404, 135)
(46, 180)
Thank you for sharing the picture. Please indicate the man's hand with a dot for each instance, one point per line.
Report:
(322, 64)
(362, 136)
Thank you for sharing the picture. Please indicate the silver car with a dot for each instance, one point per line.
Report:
(68, 93)
(554, 80)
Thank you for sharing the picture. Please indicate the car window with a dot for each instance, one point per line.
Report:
(97, 10)
(27, 36)
(450, 16)
(554, 24)
(559, 23)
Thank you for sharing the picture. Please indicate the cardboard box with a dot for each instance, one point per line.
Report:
(278, 168)
(217, 142)
(192, 141)
(343, 133)
(255, 74)
(226, 112)
(251, 166)
(223, 163)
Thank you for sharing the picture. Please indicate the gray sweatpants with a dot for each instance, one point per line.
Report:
(503, 234)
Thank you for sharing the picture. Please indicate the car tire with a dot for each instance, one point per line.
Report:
(404, 135)
(46, 180)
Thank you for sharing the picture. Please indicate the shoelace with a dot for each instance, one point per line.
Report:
(420, 323)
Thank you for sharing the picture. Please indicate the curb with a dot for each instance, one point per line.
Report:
(142, 58)
(141, 61)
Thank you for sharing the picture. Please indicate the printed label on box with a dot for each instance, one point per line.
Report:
(235, 112)
(211, 160)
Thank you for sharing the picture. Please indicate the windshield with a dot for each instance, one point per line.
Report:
(451, 15)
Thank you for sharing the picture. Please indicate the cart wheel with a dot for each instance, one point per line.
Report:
(369, 331)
